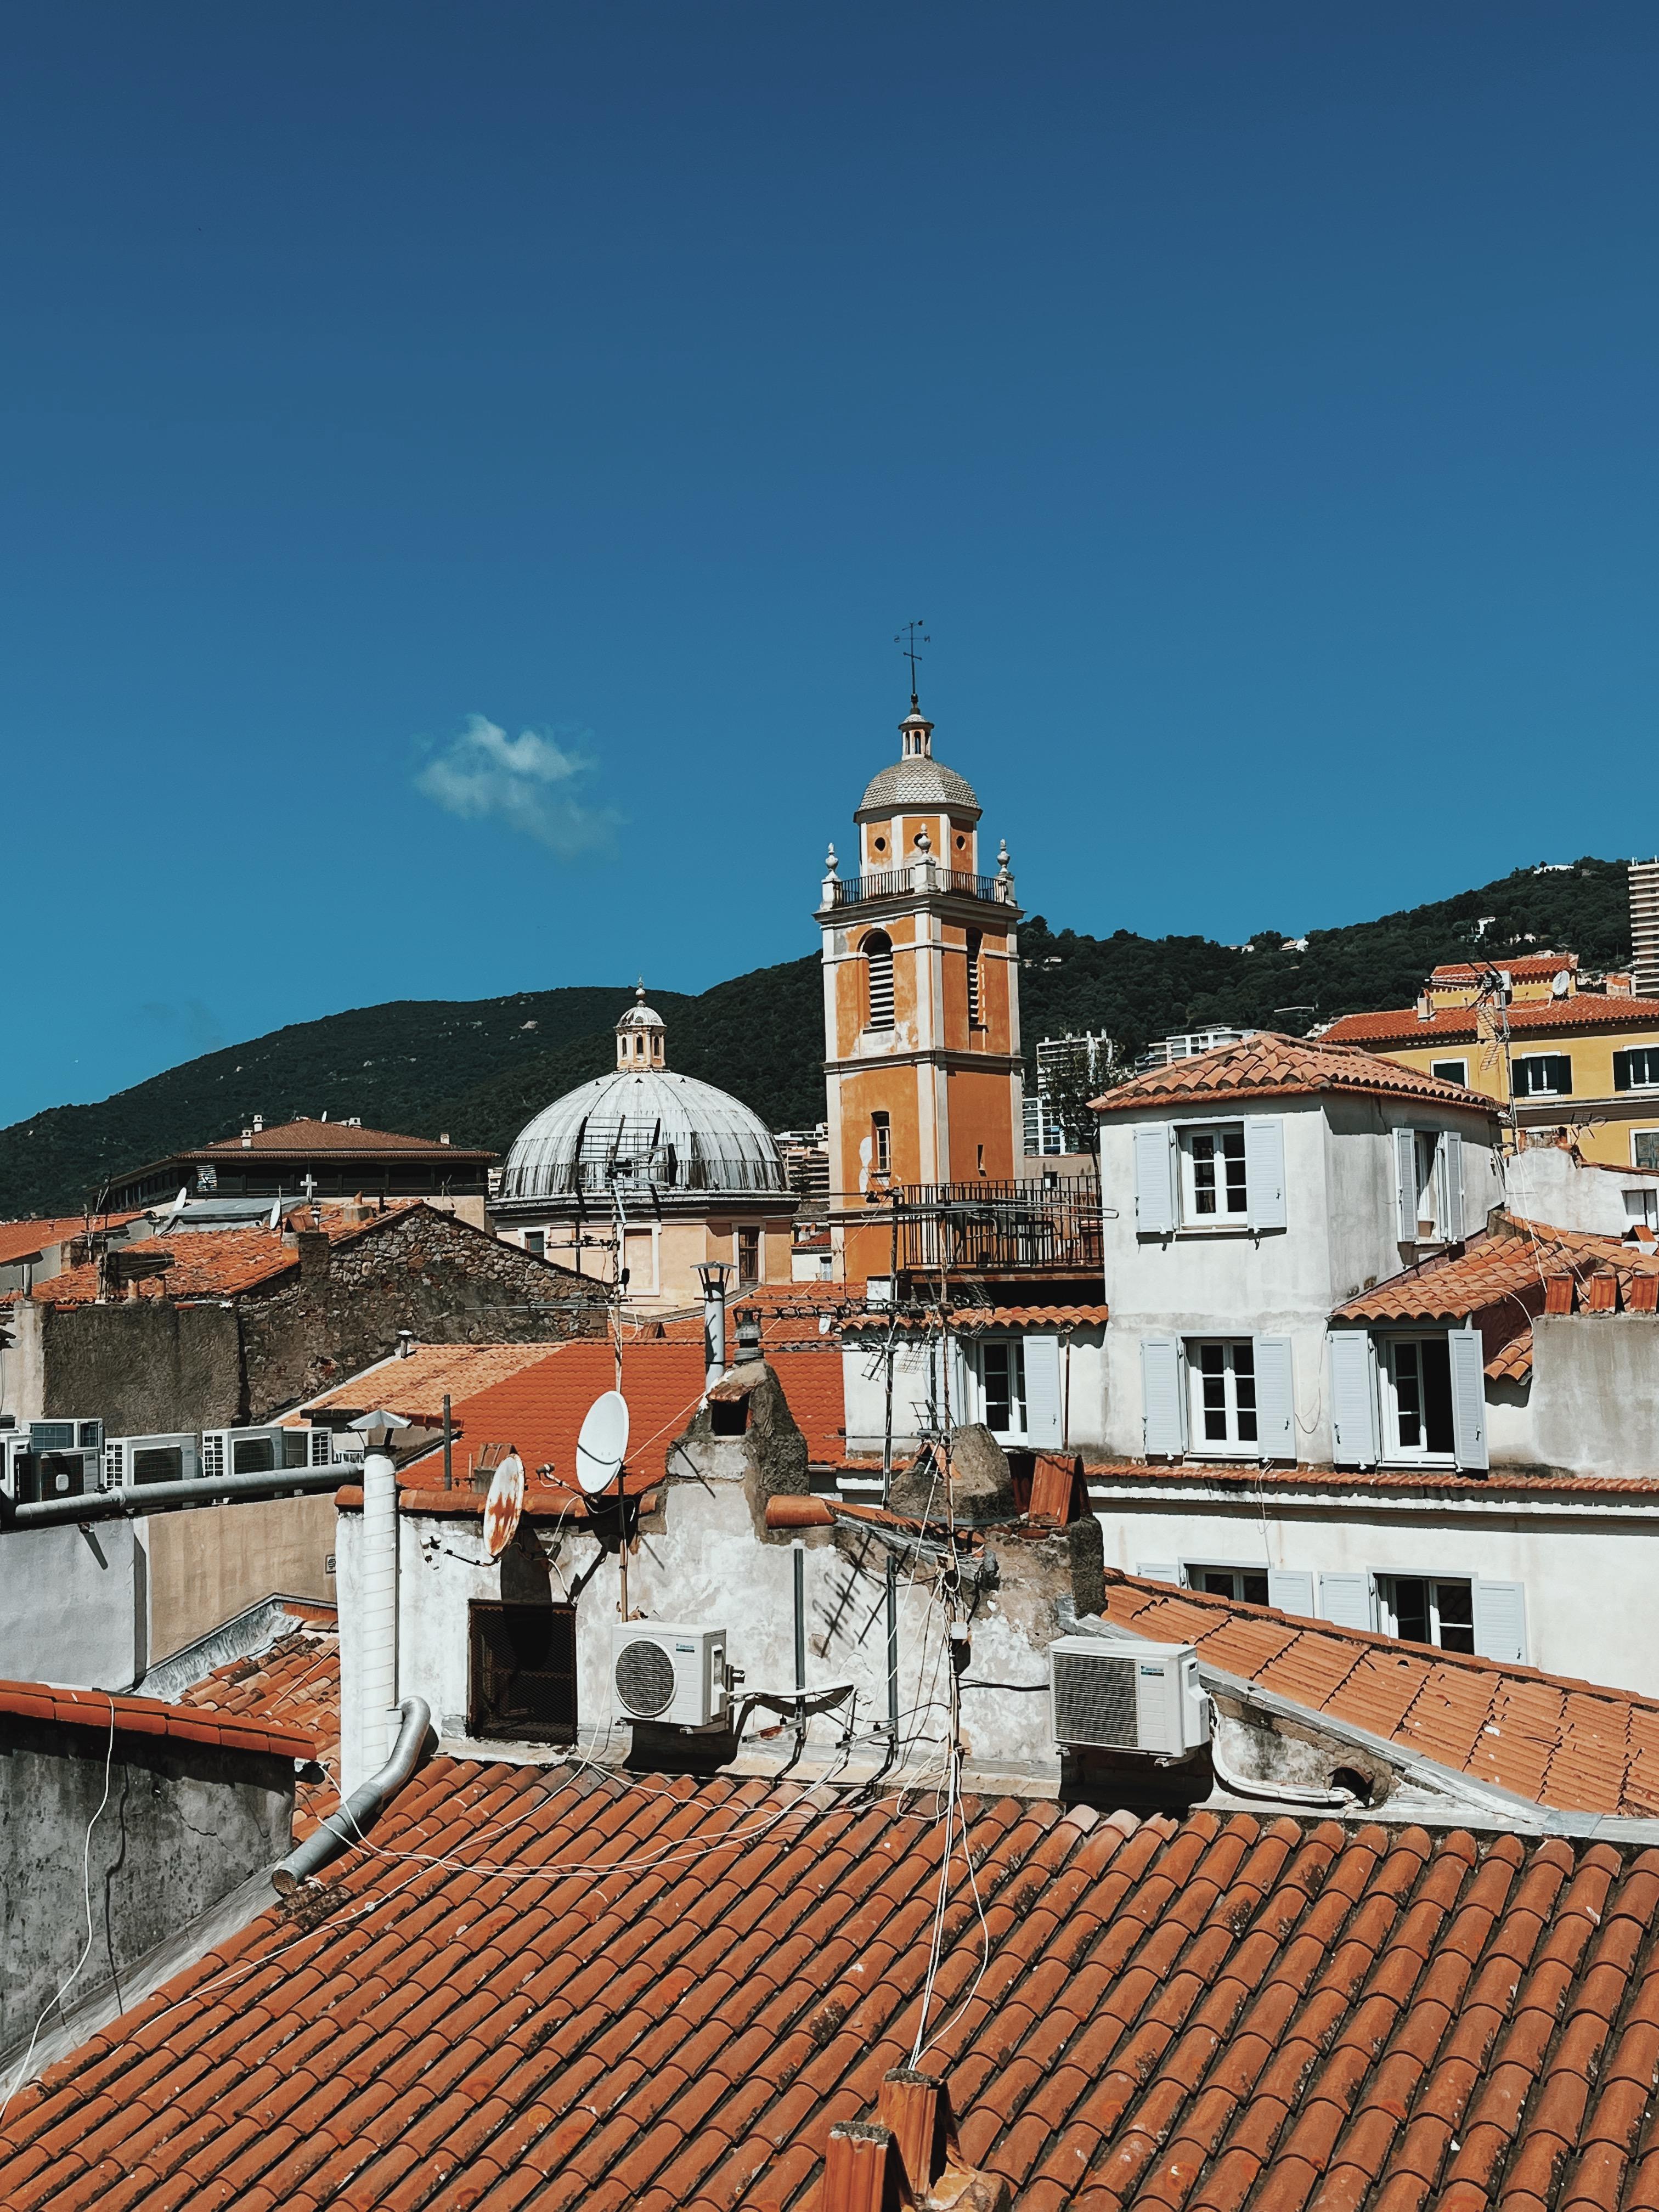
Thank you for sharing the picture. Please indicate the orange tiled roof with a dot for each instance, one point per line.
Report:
(305, 1139)
(217, 1262)
(1588, 1010)
(1524, 968)
(1250, 1477)
(415, 1387)
(295, 1683)
(550, 1990)
(1572, 1745)
(1267, 1065)
(540, 1409)
(1512, 1361)
(976, 1318)
(44, 1701)
(19, 1238)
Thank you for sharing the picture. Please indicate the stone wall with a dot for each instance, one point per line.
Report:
(184, 1825)
(143, 1367)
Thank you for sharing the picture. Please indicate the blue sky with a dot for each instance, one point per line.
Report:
(464, 468)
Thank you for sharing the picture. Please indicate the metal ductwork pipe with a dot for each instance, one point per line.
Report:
(715, 1274)
(342, 1829)
(166, 1496)
(378, 1681)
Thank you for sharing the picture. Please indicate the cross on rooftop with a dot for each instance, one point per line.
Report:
(906, 641)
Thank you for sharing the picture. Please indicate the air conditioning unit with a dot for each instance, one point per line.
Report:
(41, 1476)
(251, 1451)
(133, 1460)
(1127, 1696)
(661, 1671)
(66, 1436)
(14, 1462)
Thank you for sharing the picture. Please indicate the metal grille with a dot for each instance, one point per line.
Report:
(1095, 1700)
(645, 1677)
(522, 1678)
(1001, 1227)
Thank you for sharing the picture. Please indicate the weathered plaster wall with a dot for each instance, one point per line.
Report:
(183, 1826)
(143, 1366)
(1596, 1392)
(73, 1605)
(209, 1564)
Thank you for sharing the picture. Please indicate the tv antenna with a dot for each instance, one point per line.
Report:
(906, 641)
(600, 1450)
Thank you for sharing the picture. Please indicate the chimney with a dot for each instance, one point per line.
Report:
(313, 1257)
(1602, 1290)
(1557, 1294)
(909, 2155)
(1642, 1294)
(1425, 1007)
(715, 1274)
(749, 1336)
(862, 2170)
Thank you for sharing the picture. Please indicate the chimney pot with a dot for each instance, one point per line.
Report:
(1557, 1294)
(910, 2105)
(1642, 1294)
(862, 2170)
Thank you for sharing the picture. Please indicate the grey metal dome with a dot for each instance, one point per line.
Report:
(916, 779)
(645, 1128)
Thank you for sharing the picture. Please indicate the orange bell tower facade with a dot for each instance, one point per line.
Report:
(921, 1004)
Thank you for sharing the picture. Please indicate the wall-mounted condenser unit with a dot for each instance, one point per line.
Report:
(1107, 1696)
(664, 1671)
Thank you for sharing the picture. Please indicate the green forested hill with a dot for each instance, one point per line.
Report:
(479, 1069)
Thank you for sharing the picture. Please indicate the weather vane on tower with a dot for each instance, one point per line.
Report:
(906, 641)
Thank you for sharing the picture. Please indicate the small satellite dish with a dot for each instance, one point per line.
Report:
(602, 1443)
(504, 1505)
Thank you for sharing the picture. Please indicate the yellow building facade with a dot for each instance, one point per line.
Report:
(921, 1003)
(1559, 1055)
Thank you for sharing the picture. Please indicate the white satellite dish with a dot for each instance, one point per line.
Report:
(602, 1443)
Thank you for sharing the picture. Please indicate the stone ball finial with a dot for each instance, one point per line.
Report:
(831, 864)
(1002, 858)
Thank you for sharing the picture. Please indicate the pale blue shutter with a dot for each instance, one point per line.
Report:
(1500, 1621)
(1042, 1391)
(1159, 1570)
(1468, 1394)
(1164, 1397)
(1451, 1160)
(1275, 1401)
(1404, 1185)
(1291, 1589)
(1346, 1601)
(1155, 1209)
(1264, 1170)
(1353, 1398)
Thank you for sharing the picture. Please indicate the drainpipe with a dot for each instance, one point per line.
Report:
(342, 1829)
(715, 1274)
(377, 1640)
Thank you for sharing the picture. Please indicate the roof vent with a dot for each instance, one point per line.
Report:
(259, 1123)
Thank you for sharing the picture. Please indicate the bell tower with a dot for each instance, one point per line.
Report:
(921, 1001)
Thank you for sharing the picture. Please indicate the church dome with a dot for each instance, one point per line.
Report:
(916, 779)
(644, 1128)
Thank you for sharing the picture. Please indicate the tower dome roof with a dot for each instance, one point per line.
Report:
(645, 1128)
(916, 779)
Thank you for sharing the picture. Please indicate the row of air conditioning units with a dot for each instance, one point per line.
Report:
(74, 1458)
(1102, 1696)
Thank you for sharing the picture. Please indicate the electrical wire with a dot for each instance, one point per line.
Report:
(21, 2074)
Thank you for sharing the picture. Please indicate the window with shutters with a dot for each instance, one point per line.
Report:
(1417, 1398)
(1221, 1385)
(1000, 1363)
(1637, 1069)
(1430, 1163)
(975, 1019)
(1451, 1071)
(1214, 1193)
(881, 1143)
(535, 1243)
(1427, 1609)
(1644, 1148)
(748, 1257)
(1542, 1075)
(1642, 1208)
(1245, 1585)
(878, 950)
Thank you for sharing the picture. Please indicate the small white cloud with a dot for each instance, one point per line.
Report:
(523, 781)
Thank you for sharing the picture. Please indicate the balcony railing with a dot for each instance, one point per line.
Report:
(926, 876)
(999, 1228)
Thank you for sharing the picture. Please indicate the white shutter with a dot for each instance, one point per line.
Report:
(1346, 1601)
(1155, 1209)
(1500, 1621)
(1404, 1186)
(1275, 1401)
(1291, 1589)
(1468, 1395)
(1042, 1391)
(1450, 1162)
(1159, 1570)
(1353, 1398)
(1264, 1170)
(1162, 1378)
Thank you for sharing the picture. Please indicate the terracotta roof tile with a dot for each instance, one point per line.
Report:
(131, 1715)
(216, 1262)
(1267, 1065)
(305, 1139)
(1540, 1018)
(18, 1239)
(1572, 1745)
(294, 1683)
